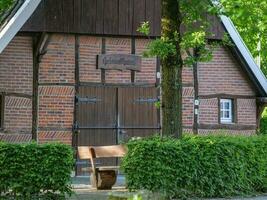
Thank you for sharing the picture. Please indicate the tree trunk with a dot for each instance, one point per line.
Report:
(172, 71)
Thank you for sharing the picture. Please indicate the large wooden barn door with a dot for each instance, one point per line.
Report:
(137, 113)
(109, 115)
(96, 116)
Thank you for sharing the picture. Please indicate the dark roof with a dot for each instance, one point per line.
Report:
(245, 57)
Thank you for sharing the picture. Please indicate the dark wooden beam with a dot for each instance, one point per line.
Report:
(2, 111)
(13, 94)
(227, 126)
(133, 52)
(56, 84)
(158, 73)
(103, 51)
(223, 95)
(196, 98)
(77, 80)
(39, 45)
(116, 84)
(54, 129)
(219, 109)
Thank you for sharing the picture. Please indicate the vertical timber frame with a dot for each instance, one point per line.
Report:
(2, 98)
(133, 52)
(77, 82)
(158, 79)
(196, 92)
(103, 51)
(39, 45)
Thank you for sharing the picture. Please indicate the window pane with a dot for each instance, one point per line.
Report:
(221, 114)
(221, 105)
(227, 114)
(227, 105)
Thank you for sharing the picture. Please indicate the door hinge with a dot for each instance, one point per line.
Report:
(146, 100)
(86, 99)
(75, 126)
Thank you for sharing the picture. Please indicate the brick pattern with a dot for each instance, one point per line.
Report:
(187, 75)
(188, 98)
(188, 106)
(18, 115)
(56, 107)
(16, 66)
(15, 138)
(148, 68)
(90, 47)
(223, 75)
(57, 65)
(208, 111)
(55, 136)
(227, 132)
(246, 109)
(118, 46)
(56, 103)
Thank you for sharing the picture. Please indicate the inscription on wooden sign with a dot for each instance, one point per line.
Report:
(119, 62)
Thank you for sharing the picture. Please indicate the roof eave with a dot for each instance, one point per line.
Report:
(10, 29)
(246, 55)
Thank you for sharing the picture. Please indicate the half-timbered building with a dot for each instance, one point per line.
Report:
(73, 71)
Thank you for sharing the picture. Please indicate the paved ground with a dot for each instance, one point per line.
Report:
(84, 191)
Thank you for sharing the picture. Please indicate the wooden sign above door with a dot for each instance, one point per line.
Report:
(119, 62)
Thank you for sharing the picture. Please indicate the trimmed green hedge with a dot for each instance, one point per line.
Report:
(28, 171)
(207, 166)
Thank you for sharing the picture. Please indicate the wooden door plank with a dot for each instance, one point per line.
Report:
(111, 17)
(150, 14)
(157, 18)
(37, 21)
(99, 16)
(68, 15)
(139, 15)
(54, 18)
(88, 16)
(125, 17)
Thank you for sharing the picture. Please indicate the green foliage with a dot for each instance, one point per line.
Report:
(263, 123)
(161, 48)
(30, 170)
(195, 166)
(144, 28)
(5, 5)
(250, 19)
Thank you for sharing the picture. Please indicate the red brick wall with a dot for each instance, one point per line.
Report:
(57, 65)
(16, 66)
(188, 106)
(188, 98)
(118, 46)
(223, 75)
(208, 111)
(55, 136)
(56, 106)
(56, 103)
(18, 115)
(246, 109)
(16, 77)
(148, 68)
(90, 47)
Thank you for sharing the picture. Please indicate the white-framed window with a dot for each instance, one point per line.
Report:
(226, 110)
